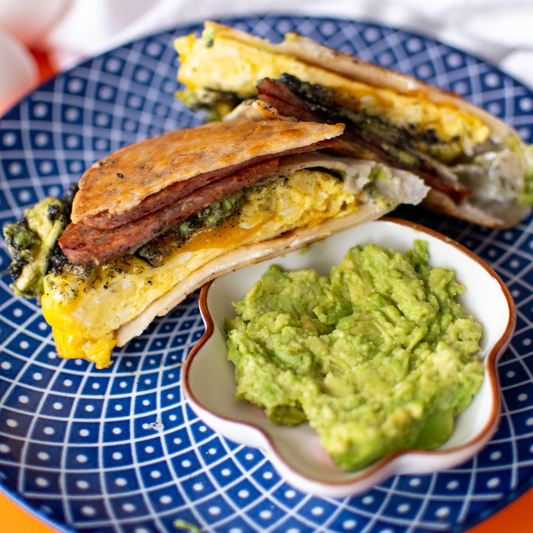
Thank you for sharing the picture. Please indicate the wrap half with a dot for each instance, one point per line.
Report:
(476, 166)
(158, 219)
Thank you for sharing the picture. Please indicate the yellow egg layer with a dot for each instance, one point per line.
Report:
(85, 306)
(236, 67)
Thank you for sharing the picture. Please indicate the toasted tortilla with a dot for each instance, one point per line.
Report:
(120, 182)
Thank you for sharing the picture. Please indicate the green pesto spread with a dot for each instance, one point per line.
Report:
(378, 356)
(158, 250)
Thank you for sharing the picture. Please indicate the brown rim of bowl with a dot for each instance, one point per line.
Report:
(389, 460)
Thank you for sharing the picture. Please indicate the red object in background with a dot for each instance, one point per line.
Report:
(46, 70)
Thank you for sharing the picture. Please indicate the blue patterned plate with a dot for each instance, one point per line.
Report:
(119, 450)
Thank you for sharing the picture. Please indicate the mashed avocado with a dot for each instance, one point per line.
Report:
(378, 356)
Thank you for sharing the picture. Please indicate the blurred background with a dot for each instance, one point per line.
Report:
(41, 37)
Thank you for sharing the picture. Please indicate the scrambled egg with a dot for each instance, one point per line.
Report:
(235, 67)
(85, 306)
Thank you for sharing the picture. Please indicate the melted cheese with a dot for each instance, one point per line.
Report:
(85, 307)
(236, 67)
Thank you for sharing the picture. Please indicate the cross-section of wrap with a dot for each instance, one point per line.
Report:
(477, 167)
(156, 220)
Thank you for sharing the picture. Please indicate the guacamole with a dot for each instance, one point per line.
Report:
(378, 356)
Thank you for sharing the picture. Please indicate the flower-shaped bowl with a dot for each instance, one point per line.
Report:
(209, 383)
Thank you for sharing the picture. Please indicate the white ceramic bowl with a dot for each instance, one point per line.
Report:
(209, 383)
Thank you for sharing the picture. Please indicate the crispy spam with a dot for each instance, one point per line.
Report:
(122, 181)
(84, 245)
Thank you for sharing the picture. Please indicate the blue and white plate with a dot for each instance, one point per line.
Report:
(119, 450)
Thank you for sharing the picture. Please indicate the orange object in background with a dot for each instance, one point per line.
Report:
(46, 70)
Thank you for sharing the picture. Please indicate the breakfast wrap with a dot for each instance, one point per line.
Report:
(476, 166)
(156, 220)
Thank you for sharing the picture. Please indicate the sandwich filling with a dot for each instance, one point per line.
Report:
(219, 72)
(156, 220)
